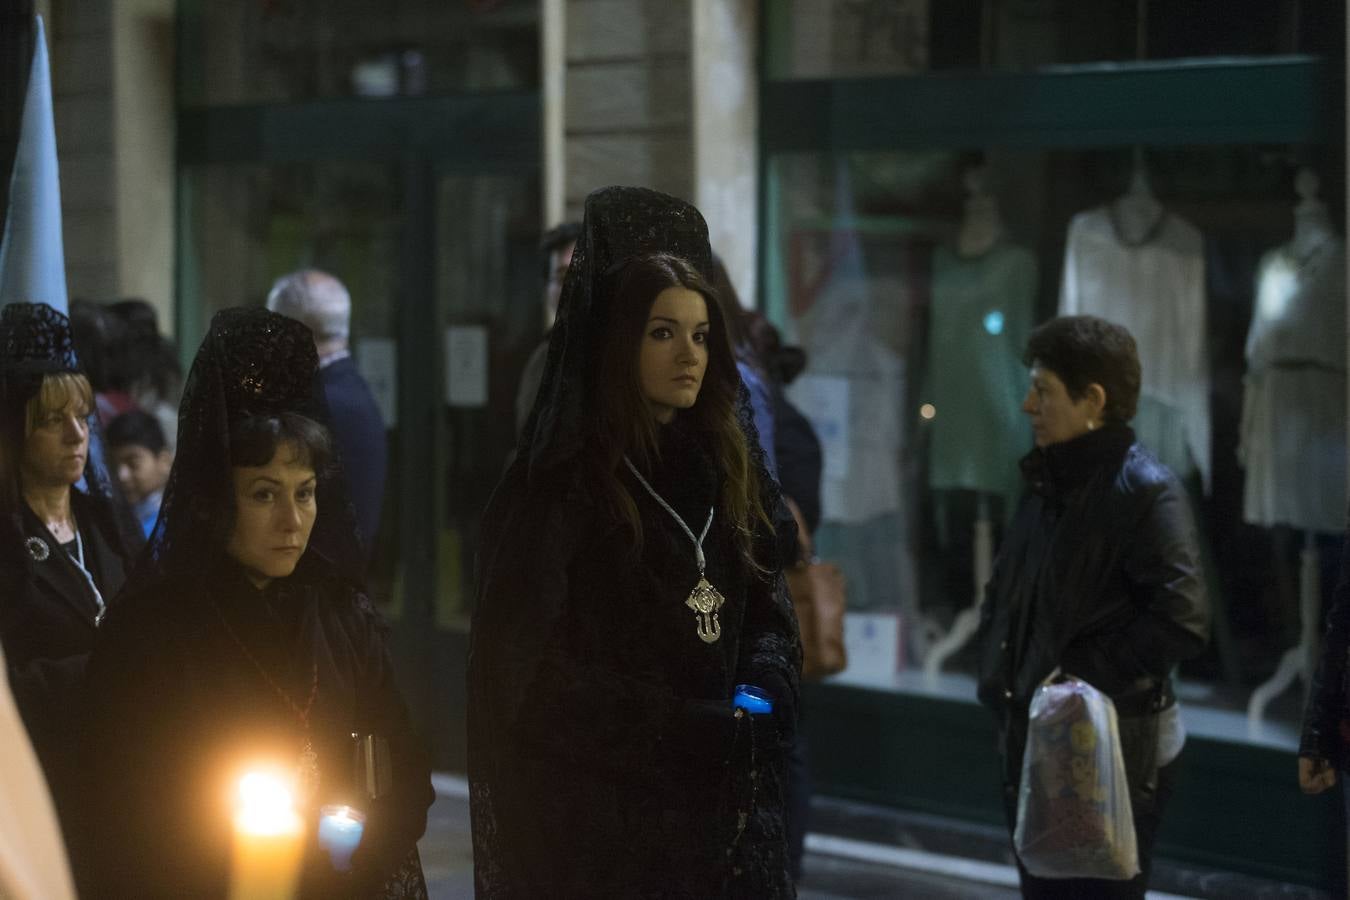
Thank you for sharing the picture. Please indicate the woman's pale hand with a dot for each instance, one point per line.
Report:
(1315, 775)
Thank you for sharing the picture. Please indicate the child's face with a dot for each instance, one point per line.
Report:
(140, 471)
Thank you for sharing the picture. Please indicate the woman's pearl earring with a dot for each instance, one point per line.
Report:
(1092, 424)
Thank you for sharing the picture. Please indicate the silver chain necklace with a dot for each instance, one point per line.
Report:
(78, 559)
(704, 599)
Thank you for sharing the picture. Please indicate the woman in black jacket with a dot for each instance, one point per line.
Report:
(62, 548)
(1099, 575)
(605, 758)
(245, 638)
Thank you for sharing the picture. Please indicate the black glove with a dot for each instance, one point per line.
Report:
(784, 715)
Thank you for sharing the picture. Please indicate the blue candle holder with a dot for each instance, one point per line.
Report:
(340, 829)
(752, 699)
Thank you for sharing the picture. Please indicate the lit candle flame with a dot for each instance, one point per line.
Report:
(268, 839)
(265, 805)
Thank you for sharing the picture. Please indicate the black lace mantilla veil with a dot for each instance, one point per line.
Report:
(252, 363)
(36, 341)
(619, 224)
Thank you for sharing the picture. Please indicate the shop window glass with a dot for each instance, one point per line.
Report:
(913, 310)
(860, 38)
(295, 50)
(488, 287)
(243, 226)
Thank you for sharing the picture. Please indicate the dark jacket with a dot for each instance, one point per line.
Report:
(604, 758)
(800, 459)
(1324, 734)
(359, 431)
(178, 709)
(47, 614)
(1099, 574)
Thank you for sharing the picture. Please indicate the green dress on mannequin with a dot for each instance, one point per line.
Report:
(982, 311)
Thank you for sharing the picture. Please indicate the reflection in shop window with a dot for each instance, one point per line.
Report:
(861, 38)
(1231, 278)
(295, 50)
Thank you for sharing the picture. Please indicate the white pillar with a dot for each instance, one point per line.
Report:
(725, 113)
(661, 95)
(553, 100)
(143, 151)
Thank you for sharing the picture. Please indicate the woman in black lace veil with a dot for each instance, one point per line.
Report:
(64, 538)
(245, 636)
(605, 759)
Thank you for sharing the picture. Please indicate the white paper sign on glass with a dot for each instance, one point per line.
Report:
(466, 366)
(873, 644)
(824, 400)
(377, 360)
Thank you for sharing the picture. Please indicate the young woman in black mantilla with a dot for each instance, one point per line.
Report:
(629, 579)
(245, 636)
(64, 540)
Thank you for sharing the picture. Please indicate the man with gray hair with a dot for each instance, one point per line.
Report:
(321, 302)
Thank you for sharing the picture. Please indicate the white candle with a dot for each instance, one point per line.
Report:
(268, 840)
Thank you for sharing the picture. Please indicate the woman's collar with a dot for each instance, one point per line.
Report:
(1061, 467)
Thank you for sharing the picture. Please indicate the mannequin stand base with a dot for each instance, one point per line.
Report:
(967, 622)
(1297, 662)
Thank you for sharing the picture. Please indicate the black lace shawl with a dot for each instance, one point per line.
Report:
(604, 758)
(252, 362)
(1326, 720)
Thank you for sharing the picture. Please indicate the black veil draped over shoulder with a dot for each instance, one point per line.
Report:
(620, 223)
(202, 670)
(604, 755)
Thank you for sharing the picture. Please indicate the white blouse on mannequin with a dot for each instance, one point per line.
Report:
(1150, 277)
(1293, 412)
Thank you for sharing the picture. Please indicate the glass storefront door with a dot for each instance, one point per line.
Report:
(242, 226)
(437, 245)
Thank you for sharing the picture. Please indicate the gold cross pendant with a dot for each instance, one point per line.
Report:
(705, 601)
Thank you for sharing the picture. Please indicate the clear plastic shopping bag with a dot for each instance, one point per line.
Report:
(1073, 809)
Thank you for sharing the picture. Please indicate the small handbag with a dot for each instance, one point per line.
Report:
(819, 596)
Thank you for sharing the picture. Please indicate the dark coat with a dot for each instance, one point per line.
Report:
(604, 757)
(1099, 574)
(47, 614)
(1324, 734)
(358, 429)
(178, 708)
(800, 459)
